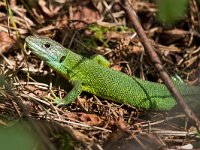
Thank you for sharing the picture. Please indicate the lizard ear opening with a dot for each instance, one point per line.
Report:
(62, 59)
(47, 45)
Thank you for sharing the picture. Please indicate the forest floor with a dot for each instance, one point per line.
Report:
(95, 27)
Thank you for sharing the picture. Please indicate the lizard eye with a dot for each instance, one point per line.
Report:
(62, 59)
(47, 45)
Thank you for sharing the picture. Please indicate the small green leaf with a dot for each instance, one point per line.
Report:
(171, 11)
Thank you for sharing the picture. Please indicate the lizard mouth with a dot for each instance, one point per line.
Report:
(30, 40)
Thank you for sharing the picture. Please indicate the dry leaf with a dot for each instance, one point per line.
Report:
(88, 14)
(6, 42)
(91, 119)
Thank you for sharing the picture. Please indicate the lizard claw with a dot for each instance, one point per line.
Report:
(58, 102)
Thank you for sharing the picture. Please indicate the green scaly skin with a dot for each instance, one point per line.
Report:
(94, 76)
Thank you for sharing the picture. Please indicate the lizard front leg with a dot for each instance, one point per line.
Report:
(71, 96)
(101, 60)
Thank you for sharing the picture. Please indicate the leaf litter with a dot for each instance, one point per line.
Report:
(95, 27)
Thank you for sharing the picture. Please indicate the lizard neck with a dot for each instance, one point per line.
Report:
(72, 60)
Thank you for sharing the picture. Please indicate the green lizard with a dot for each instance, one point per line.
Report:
(93, 75)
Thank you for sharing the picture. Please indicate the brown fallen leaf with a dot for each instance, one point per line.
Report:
(86, 13)
(6, 42)
(90, 119)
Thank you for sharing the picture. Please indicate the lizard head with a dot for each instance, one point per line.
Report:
(51, 52)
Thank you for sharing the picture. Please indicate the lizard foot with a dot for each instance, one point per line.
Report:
(58, 102)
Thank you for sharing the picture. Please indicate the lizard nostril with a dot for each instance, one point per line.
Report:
(47, 45)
